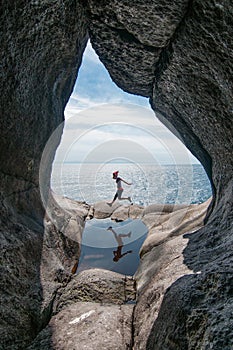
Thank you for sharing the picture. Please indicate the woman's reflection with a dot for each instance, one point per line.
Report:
(117, 253)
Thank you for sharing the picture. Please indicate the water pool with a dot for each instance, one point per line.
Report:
(113, 246)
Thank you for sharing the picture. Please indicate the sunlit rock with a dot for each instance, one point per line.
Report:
(104, 210)
(84, 325)
(136, 211)
(121, 213)
(178, 222)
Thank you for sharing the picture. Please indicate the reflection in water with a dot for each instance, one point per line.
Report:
(101, 249)
(117, 253)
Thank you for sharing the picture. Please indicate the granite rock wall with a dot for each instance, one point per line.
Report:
(41, 50)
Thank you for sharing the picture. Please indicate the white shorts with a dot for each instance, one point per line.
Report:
(119, 193)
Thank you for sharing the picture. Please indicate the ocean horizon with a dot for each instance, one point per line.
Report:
(151, 183)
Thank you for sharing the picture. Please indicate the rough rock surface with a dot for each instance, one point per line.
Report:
(192, 95)
(121, 213)
(97, 285)
(84, 325)
(61, 247)
(202, 308)
(79, 296)
(129, 38)
(177, 53)
(90, 312)
(162, 262)
(41, 50)
(163, 226)
(102, 210)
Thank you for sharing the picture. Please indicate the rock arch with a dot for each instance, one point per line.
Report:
(179, 55)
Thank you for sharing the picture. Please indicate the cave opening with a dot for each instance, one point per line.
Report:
(107, 129)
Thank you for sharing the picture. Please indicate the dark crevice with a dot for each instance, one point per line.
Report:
(126, 36)
(47, 313)
(133, 329)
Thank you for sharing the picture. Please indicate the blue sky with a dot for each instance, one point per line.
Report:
(95, 86)
(104, 123)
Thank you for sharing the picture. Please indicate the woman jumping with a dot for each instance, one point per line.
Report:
(119, 188)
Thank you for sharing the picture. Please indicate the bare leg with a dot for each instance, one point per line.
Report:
(125, 234)
(115, 197)
(123, 198)
(118, 239)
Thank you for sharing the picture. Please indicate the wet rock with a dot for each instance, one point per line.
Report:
(88, 326)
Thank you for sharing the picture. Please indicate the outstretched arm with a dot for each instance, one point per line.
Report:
(127, 183)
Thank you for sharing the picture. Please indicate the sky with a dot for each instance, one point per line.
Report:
(105, 124)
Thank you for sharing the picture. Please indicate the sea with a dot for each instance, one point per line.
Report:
(116, 245)
(161, 184)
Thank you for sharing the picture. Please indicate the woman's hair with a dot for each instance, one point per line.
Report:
(115, 173)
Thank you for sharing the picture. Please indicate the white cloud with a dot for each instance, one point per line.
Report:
(77, 104)
(110, 126)
(90, 54)
(99, 113)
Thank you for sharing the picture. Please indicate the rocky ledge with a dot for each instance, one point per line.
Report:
(90, 310)
(101, 307)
